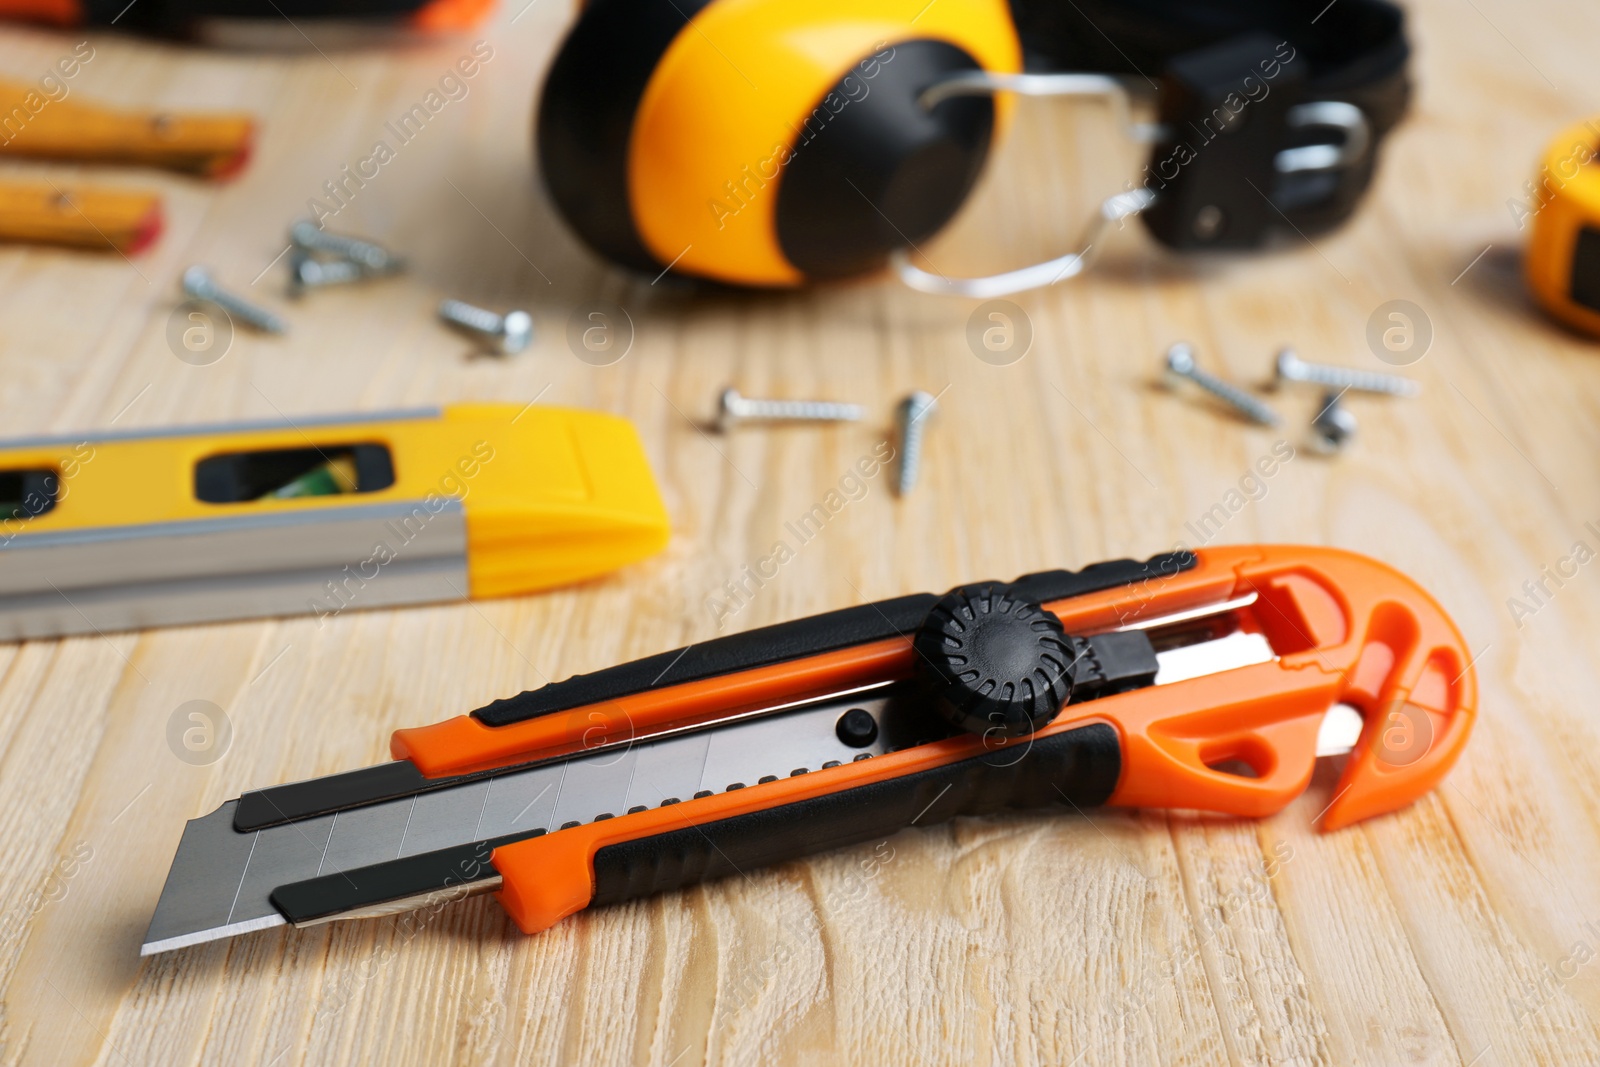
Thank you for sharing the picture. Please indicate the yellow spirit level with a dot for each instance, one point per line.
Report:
(162, 527)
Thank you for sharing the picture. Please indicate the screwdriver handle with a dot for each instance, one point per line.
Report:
(42, 213)
(168, 17)
(213, 145)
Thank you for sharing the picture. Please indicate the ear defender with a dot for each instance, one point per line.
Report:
(768, 142)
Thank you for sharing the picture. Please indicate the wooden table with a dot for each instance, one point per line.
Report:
(1462, 930)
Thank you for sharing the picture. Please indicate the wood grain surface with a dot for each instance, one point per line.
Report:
(1463, 930)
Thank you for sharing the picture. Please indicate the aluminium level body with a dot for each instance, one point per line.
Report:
(107, 532)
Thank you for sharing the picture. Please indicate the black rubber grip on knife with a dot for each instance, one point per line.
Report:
(810, 636)
(329, 895)
(1076, 768)
(261, 808)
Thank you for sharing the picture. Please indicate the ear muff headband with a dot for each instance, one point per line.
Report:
(761, 142)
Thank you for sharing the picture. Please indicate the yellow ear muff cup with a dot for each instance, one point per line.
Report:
(723, 112)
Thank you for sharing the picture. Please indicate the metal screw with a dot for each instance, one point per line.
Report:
(1333, 426)
(915, 410)
(306, 272)
(733, 409)
(1180, 361)
(198, 283)
(510, 333)
(372, 258)
(1291, 368)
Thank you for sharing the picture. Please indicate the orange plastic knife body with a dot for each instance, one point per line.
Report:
(1344, 628)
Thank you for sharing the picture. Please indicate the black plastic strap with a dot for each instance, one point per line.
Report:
(1353, 51)
(1349, 45)
(800, 638)
(1079, 767)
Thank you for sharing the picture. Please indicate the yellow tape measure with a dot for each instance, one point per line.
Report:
(1563, 257)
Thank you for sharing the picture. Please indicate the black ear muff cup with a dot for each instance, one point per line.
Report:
(874, 171)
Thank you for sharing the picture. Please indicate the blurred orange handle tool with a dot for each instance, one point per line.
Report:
(43, 213)
(210, 144)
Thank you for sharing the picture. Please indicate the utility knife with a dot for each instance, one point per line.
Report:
(1210, 679)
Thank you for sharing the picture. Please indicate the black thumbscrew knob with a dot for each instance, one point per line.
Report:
(994, 660)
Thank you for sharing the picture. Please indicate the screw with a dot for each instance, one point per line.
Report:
(1291, 368)
(1180, 361)
(914, 413)
(308, 273)
(370, 257)
(198, 283)
(1333, 426)
(733, 409)
(511, 332)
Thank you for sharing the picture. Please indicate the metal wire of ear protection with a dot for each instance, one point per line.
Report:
(1113, 210)
(1346, 118)
(1103, 86)
(1036, 275)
